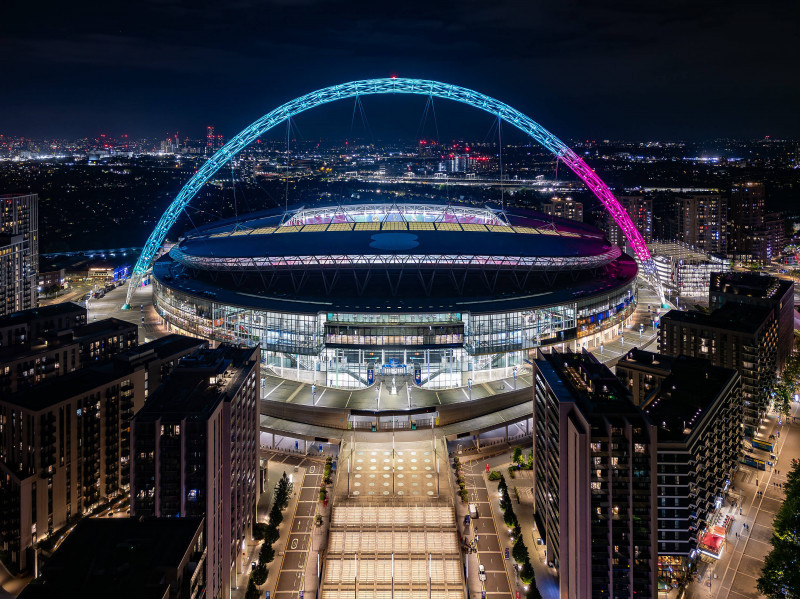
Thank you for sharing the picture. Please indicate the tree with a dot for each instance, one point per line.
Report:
(516, 457)
(502, 486)
(252, 591)
(271, 534)
(259, 574)
(266, 555)
(520, 551)
(526, 574)
(780, 576)
(259, 529)
(275, 515)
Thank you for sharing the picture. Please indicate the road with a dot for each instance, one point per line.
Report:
(291, 567)
(740, 565)
(490, 547)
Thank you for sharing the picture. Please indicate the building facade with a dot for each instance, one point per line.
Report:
(703, 222)
(757, 290)
(697, 409)
(640, 209)
(19, 252)
(64, 350)
(195, 453)
(564, 208)
(747, 220)
(595, 489)
(737, 336)
(65, 443)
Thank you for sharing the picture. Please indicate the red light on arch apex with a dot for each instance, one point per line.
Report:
(394, 76)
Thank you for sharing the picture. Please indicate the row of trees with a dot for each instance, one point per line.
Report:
(519, 551)
(462, 482)
(784, 389)
(780, 576)
(269, 534)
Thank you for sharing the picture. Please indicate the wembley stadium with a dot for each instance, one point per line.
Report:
(448, 294)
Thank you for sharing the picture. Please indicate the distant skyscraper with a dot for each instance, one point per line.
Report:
(210, 140)
(703, 222)
(773, 237)
(594, 476)
(564, 208)
(19, 252)
(747, 219)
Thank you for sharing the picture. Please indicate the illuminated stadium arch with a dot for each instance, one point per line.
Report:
(394, 86)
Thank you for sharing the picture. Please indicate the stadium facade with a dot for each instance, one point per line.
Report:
(448, 295)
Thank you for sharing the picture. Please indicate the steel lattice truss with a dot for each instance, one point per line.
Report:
(394, 86)
(442, 261)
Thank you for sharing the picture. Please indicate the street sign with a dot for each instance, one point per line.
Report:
(483, 594)
(518, 594)
(508, 553)
(266, 594)
(301, 595)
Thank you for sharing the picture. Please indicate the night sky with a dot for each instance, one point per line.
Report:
(636, 70)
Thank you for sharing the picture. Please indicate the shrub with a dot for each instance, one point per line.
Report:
(464, 495)
(495, 475)
(259, 574)
(511, 471)
(516, 457)
(323, 493)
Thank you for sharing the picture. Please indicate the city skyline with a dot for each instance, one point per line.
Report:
(681, 70)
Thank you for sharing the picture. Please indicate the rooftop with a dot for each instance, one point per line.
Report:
(686, 396)
(650, 360)
(27, 316)
(582, 377)
(749, 284)
(62, 388)
(199, 383)
(163, 346)
(124, 557)
(745, 318)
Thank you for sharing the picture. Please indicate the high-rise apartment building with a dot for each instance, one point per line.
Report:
(65, 443)
(595, 489)
(772, 238)
(62, 351)
(640, 209)
(697, 409)
(703, 222)
(19, 328)
(747, 207)
(564, 208)
(737, 336)
(758, 290)
(19, 252)
(195, 453)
